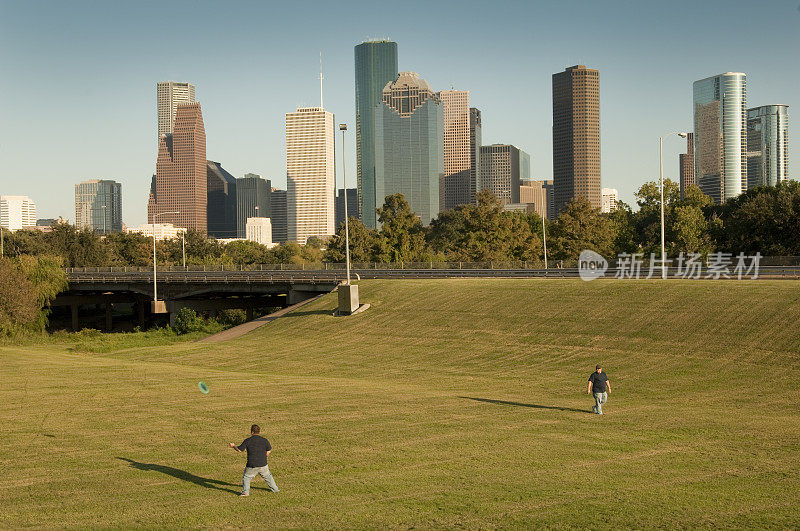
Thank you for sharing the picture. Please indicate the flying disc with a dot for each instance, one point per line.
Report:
(204, 388)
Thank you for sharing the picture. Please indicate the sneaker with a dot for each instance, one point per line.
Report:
(243, 494)
(594, 409)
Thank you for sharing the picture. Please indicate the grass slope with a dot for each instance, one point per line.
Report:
(448, 403)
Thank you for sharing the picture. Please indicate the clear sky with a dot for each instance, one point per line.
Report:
(78, 79)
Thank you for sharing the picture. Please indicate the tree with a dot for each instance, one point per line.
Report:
(580, 227)
(401, 229)
(765, 219)
(483, 232)
(647, 221)
(246, 252)
(27, 286)
(130, 249)
(623, 227)
(365, 244)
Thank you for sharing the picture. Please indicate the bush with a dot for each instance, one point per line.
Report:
(188, 321)
(229, 318)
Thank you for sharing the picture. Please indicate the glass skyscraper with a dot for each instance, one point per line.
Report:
(767, 145)
(720, 135)
(98, 205)
(376, 65)
(409, 144)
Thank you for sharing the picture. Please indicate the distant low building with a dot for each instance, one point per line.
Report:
(259, 230)
(163, 231)
(17, 212)
(609, 198)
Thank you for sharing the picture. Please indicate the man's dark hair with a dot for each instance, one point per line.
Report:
(255, 429)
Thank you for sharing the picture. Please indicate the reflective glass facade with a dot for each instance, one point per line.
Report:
(98, 206)
(720, 135)
(375, 66)
(409, 145)
(767, 145)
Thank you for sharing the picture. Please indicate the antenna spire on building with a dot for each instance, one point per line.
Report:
(321, 103)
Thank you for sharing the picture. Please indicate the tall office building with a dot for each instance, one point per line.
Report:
(767, 145)
(503, 168)
(409, 144)
(610, 196)
(279, 215)
(252, 201)
(686, 165)
(720, 135)
(181, 181)
(221, 207)
(17, 212)
(576, 136)
(98, 205)
(310, 177)
(170, 94)
(352, 205)
(475, 142)
(376, 65)
(456, 188)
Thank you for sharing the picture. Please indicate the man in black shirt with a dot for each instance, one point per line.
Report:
(258, 448)
(601, 387)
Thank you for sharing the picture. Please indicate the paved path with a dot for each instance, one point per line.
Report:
(242, 329)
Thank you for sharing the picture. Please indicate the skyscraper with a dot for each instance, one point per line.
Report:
(279, 215)
(181, 180)
(503, 168)
(767, 145)
(17, 212)
(376, 65)
(409, 144)
(252, 201)
(98, 205)
(310, 178)
(720, 135)
(576, 136)
(221, 207)
(352, 205)
(686, 165)
(475, 142)
(456, 187)
(169, 95)
(539, 194)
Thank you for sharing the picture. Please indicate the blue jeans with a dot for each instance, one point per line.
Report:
(599, 400)
(250, 473)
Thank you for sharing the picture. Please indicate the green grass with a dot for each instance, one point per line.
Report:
(448, 403)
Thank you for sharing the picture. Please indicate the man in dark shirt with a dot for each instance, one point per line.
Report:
(257, 448)
(601, 387)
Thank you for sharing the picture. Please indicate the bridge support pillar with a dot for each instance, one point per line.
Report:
(109, 321)
(294, 296)
(74, 310)
(249, 313)
(140, 311)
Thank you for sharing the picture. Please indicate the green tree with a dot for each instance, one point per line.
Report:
(580, 227)
(365, 244)
(18, 299)
(129, 249)
(647, 221)
(246, 252)
(401, 229)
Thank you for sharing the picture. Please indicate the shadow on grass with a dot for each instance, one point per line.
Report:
(308, 313)
(186, 476)
(535, 406)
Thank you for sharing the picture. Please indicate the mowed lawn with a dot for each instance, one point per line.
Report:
(448, 403)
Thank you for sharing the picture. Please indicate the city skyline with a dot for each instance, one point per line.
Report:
(249, 139)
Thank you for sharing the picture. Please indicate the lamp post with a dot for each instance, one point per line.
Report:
(661, 186)
(343, 128)
(183, 248)
(153, 227)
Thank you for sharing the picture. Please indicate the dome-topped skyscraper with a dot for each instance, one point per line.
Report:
(409, 144)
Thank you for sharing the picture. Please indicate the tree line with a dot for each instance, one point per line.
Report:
(764, 220)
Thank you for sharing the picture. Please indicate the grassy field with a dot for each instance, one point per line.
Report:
(453, 403)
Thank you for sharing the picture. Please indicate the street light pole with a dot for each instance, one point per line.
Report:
(153, 228)
(343, 128)
(661, 187)
(183, 248)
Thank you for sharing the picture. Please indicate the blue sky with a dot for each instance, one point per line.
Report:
(78, 79)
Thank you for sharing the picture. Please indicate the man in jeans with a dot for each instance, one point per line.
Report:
(258, 448)
(599, 384)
